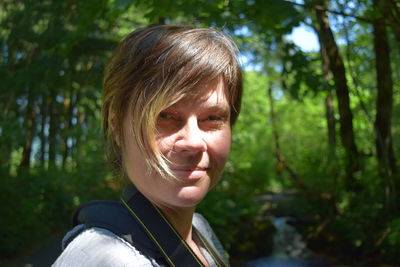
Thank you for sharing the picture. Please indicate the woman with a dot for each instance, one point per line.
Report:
(171, 96)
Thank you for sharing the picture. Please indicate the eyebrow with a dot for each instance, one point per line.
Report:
(216, 107)
(219, 108)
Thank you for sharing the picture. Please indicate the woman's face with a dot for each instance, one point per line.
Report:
(194, 135)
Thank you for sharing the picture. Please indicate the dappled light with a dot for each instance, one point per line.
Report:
(312, 175)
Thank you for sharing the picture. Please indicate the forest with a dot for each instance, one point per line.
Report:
(318, 138)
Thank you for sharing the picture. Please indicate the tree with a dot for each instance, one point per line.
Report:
(390, 9)
(384, 107)
(336, 65)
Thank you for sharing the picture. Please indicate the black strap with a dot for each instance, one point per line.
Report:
(214, 254)
(113, 216)
(165, 237)
(144, 226)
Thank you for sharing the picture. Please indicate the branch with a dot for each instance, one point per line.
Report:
(280, 159)
(382, 237)
(322, 8)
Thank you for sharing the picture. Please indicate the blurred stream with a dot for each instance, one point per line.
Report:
(289, 249)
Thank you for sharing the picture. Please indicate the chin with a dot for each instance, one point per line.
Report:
(191, 196)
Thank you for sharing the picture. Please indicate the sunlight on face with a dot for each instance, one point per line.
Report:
(194, 135)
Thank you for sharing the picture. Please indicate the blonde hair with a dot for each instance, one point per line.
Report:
(153, 68)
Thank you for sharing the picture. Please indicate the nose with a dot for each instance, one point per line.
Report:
(190, 138)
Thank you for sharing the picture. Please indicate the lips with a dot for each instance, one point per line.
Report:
(189, 173)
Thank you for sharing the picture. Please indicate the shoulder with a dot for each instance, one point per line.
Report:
(100, 247)
(201, 225)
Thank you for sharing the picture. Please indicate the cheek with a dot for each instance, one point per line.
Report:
(165, 144)
(218, 152)
(130, 156)
(219, 146)
(133, 160)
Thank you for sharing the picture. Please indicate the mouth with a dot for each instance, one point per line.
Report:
(190, 173)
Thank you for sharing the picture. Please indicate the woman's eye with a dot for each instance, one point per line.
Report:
(168, 122)
(214, 122)
(166, 116)
(215, 118)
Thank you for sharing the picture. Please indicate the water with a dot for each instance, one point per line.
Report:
(289, 248)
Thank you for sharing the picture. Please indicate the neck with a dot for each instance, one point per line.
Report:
(181, 219)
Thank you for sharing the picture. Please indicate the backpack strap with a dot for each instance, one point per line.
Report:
(113, 216)
(214, 254)
(175, 250)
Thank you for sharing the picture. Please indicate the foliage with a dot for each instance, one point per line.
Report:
(51, 158)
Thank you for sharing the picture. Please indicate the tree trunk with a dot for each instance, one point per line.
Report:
(161, 20)
(30, 129)
(391, 13)
(329, 108)
(384, 105)
(336, 66)
(43, 139)
(68, 110)
(52, 138)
